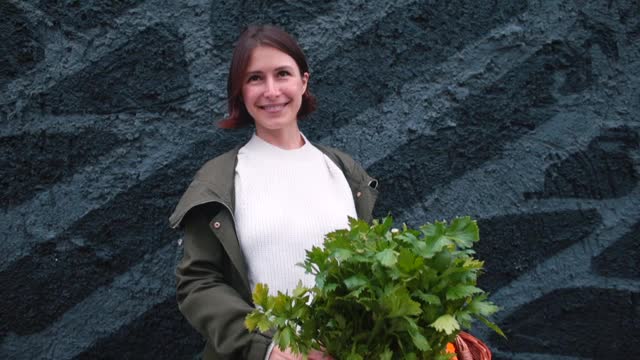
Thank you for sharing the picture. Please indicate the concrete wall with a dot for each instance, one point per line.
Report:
(523, 114)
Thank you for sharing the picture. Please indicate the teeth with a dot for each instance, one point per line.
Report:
(273, 107)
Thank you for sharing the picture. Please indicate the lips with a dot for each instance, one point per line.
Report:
(272, 108)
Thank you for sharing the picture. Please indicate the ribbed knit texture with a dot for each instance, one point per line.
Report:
(286, 201)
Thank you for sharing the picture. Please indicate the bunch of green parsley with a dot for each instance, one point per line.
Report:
(381, 293)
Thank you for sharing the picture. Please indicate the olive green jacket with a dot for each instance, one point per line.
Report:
(213, 289)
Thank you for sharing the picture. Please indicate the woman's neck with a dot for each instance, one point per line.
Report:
(288, 139)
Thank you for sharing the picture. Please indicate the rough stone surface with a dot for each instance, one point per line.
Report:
(480, 127)
(513, 245)
(149, 73)
(162, 324)
(523, 114)
(20, 49)
(622, 259)
(581, 322)
(604, 170)
(102, 245)
(406, 45)
(34, 161)
(85, 15)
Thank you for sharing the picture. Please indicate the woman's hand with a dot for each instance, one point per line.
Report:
(319, 355)
(278, 354)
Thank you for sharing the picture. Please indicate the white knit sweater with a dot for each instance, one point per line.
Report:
(286, 201)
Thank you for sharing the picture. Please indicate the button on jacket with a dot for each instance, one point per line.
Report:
(213, 289)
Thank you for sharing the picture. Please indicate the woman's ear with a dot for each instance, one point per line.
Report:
(305, 81)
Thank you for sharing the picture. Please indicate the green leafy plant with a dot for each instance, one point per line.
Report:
(381, 293)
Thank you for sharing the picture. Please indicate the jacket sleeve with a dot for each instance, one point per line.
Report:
(207, 299)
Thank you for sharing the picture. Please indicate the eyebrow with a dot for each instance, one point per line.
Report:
(279, 68)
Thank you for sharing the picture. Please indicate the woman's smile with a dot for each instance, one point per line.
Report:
(272, 91)
(273, 108)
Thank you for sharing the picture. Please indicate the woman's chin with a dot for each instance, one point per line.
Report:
(276, 123)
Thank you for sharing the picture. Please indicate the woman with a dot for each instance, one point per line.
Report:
(249, 214)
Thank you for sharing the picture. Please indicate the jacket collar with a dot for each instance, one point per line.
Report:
(214, 182)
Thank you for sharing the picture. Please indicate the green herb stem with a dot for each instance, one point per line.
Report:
(376, 330)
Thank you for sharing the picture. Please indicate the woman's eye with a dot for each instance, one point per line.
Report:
(283, 73)
(253, 78)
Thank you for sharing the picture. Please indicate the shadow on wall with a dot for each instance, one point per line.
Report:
(604, 170)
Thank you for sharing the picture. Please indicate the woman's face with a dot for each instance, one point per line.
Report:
(272, 89)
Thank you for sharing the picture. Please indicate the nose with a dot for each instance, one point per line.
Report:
(271, 89)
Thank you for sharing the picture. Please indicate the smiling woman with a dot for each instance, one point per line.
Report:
(250, 214)
(255, 37)
(272, 93)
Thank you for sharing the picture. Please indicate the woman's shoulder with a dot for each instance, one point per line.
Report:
(340, 157)
(351, 168)
(217, 166)
(213, 182)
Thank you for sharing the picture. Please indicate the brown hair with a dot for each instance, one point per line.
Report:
(251, 38)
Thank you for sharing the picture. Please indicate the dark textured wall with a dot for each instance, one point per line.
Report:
(523, 114)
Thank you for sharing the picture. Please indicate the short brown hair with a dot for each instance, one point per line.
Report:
(251, 38)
